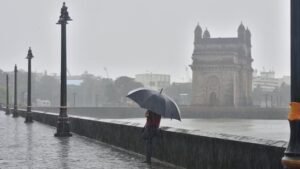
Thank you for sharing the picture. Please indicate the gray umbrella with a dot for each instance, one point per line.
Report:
(156, 102)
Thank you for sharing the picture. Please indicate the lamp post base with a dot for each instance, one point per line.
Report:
(7, 112)
(15, 113)
(291, 162)
(291, 159)
(28, 118)
(63, 127)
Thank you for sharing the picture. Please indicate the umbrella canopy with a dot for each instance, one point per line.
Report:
(156, 102)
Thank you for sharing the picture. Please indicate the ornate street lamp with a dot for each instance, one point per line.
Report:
(28, 118)
(291, 159)
(15, 113)
(7, 96)
(63, 124)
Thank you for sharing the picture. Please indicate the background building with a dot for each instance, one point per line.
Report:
(222, 71)
(266, 81)
(43, 103)
(154, 81)
(180, 92)
(269, 91)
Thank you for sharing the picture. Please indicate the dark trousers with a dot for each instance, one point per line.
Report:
(149, 149)
(149, 134)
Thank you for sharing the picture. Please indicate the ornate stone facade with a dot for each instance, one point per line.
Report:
(222, 71)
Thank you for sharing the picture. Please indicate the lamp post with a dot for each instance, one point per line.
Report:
(15, 113)
(7, 96)
(28, 118)
(291, 159)
(63, 124)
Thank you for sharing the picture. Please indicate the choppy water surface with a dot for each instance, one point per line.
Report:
(33, 146)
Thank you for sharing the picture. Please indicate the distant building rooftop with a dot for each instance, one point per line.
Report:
(74, 82)
(267, 80)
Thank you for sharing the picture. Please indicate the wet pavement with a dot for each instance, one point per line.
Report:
(33, 146)
(264, 129)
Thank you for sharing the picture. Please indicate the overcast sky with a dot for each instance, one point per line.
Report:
(138, 36)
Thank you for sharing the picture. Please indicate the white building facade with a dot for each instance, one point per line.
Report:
(267, 81)
(154, 81)
(269, 91)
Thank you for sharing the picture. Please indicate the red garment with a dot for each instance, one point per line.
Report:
(153, 120)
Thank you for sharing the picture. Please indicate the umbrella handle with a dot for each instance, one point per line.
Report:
(161, 90)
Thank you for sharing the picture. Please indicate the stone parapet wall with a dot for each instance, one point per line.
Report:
(230, 112)
(192, 149)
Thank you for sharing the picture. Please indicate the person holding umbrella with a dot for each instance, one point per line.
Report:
(150, 131)
(157, 104)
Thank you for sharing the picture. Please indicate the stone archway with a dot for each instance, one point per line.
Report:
(213, 101)
(213, 90)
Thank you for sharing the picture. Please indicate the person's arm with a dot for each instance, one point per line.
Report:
(147, 116)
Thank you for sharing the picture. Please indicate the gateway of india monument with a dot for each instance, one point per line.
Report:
(222, 71)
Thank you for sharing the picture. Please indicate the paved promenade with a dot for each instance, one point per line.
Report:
(33, 146)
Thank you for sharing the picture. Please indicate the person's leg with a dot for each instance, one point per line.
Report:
(148, 150)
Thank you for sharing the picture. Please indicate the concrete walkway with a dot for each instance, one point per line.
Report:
(33, 146)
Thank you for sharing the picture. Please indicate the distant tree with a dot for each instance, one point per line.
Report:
(181, 93)
(93, 90)
(97, 91)
(103, 88)
(112, 97)
(48, 88)
(88, 89)
(125, 84)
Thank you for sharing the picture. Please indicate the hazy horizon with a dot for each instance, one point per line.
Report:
(136, 37)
